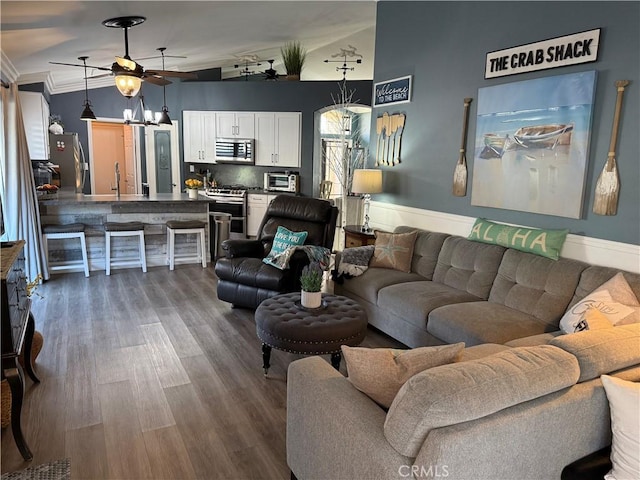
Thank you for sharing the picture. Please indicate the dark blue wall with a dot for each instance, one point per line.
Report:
(280, 96)
(443, 45)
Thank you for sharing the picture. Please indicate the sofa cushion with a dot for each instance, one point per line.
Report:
(425, 251)
(480, 351)
(482, 322)
(459, 392)
(468, 266)
(414, 300)
(394, 250)
(367, 286)
(624, 399)
(602, 351)
(536, 285)
(380, 372)
(594, 276)
(546, 243)
(614, 299)
(540, 339)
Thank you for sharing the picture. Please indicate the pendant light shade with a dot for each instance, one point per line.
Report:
(128, 85)
(87, 113)
(164, 117)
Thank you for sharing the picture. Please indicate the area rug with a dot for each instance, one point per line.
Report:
(56, 470)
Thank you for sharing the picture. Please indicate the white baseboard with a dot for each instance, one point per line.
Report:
(595, 251)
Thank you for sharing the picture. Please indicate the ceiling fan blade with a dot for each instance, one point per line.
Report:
(156, 80)
(100, 76)
(171, 73)
(160, 56)
(126, 63)
(80, 65)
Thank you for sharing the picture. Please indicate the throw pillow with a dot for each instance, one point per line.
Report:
(624, 398)
(381, 372)
(283, 239)
(394, 250)
(614, 299)
(546, 243)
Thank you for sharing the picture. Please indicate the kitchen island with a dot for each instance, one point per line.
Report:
(94, 210)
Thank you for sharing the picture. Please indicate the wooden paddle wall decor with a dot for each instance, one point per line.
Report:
(460, 172)
(389, 128)
(605, 201)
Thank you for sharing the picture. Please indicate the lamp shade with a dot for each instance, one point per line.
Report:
(128, 85)
(367, 181)
(87, 113)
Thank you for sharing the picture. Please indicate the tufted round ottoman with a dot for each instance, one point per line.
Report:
(282, 323)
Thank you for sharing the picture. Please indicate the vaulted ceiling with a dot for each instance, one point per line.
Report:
(209, 34)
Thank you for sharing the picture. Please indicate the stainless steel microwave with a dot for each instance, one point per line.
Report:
(281, 182)
(235, 150)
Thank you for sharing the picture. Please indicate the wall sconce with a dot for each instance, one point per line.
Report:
(87, 113)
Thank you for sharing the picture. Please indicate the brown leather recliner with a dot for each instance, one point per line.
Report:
(244, 280)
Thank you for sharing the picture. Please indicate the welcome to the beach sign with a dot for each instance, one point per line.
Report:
(396, 90)
(557, 52)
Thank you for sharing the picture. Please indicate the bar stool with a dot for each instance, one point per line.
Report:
(175, 227)
(58, 232)
(124, 229)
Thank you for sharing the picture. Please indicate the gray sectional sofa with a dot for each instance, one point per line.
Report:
(459, 290)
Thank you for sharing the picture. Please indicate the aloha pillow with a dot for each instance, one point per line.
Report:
(380, 372)
(624, 398)
(394, 250)
(614, 299)
(546, 243)
(283, 239)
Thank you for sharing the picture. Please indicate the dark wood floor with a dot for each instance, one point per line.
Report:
(151, 376)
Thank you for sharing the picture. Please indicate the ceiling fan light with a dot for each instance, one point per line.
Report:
(164, 117)
(128, 85)
(87, 113)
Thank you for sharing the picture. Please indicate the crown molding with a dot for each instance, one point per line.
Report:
(9, 72)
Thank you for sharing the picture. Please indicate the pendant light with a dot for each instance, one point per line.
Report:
(87, 113)
(164, 116)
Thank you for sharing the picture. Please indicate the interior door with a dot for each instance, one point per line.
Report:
(108, 148)
(163, 158)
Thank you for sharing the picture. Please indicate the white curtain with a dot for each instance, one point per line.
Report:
(17, 190)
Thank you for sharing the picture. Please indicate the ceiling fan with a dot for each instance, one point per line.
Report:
(128, 73)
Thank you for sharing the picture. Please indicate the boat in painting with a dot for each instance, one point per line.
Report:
(542, 136)
(493, 145)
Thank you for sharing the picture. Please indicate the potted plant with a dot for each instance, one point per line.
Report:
(293, 57)
(311, 283)
(193, 184)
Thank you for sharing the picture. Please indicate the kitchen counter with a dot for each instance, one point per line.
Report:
(64, 198)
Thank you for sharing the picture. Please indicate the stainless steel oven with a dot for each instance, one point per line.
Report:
(231, 200)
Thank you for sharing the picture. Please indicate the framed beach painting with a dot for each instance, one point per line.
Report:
(532, 144)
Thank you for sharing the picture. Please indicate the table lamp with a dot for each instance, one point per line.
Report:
(367, 181)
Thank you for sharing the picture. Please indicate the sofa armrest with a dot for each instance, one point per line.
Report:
(243, 248)
(325, 416)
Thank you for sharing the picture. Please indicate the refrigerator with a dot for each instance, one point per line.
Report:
(66, 151)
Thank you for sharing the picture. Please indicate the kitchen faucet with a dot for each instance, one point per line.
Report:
(117, 186)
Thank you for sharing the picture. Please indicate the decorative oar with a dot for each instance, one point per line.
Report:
(379, 131)
(605, 200)
(399, 129)
(460, 172)
(393, 125)
(386, 126)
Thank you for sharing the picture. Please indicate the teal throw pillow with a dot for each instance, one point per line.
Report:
(546, 243)
(283, 239)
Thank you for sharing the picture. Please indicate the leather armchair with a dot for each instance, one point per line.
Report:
(244, 280)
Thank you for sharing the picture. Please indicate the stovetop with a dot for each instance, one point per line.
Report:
(229, 190)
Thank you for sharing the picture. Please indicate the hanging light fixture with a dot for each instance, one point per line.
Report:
(163, 118)
(87, 113)
(148, 117)
(128, 84)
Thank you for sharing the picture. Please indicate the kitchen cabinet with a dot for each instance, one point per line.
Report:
(35, 116)
(278, 139)
(235, 124)
(199, 136)
(256, 208)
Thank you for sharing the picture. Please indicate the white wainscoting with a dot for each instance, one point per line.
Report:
(625, 256)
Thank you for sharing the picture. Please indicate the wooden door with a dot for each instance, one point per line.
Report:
(108, 148)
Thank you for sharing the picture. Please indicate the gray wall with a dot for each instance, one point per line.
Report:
(443, 45)
(280, 96)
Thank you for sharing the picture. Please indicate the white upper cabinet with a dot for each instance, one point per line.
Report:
(35, 116)
(199, 136)
(278, 139)
(235, 124)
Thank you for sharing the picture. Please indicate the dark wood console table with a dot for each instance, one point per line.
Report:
(18, 327)
(355, 237)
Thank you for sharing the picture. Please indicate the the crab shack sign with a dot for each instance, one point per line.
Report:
(557, 52)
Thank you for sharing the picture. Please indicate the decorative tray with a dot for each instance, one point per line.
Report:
(322, 306)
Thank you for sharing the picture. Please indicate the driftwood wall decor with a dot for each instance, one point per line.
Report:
(460, 172)
(389, 128)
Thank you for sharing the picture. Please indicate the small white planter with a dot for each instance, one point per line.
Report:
(193, 193)
(311, 299)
